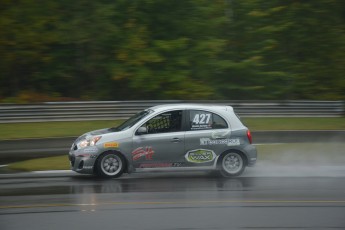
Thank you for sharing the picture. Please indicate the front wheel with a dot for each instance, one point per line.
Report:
(110, 165)
(232, 164)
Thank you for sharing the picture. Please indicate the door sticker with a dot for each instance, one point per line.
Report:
(228, 142)
(143, 151)
(111, 145)
(200, 156)
(161, 165)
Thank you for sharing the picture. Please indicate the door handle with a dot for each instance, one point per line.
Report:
(176, 140)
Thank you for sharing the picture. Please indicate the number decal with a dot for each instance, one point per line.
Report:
(196, 119)
(208, 115)
(202, 119)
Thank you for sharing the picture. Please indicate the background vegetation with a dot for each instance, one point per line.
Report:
(184, 49)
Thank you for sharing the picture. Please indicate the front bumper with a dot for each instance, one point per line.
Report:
(83, 160)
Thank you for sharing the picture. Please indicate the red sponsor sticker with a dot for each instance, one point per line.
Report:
(155, 165)
(143, 151)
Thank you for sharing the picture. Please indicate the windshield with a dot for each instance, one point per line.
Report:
(132, 121)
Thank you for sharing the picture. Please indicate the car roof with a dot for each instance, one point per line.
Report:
(159, 108)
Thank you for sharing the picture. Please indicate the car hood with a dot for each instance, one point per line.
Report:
(95, 133)
(100, 132)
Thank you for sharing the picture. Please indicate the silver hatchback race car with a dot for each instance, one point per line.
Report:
(180, 136)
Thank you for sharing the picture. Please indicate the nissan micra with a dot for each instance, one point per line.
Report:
(177, 137)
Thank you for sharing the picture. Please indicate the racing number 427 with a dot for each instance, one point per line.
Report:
(202, 118)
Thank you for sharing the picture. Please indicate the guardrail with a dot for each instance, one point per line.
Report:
(108, 110)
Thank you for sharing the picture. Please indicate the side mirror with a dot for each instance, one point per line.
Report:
(142, 130)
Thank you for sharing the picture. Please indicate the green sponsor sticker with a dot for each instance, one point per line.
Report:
(200, 156)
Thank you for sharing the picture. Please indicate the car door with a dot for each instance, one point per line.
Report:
(207, 136)
(163, 142)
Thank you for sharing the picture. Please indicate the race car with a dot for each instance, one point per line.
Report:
(170, 137)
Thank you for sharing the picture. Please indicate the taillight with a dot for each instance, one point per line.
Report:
(249, 135)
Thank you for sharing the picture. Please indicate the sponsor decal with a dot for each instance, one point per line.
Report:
(177, 164)
(155, 165)
(87, 167)
(111, 145)
(160, 165)
(141, 151)
(200, 156)
(90, 150)
(228, 142)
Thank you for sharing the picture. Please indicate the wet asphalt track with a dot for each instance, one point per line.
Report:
(275, 197)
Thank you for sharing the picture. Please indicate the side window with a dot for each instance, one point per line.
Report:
(165, 122)
(203, 120)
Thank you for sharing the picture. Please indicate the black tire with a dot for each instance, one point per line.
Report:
(110, 165)
(231, 164)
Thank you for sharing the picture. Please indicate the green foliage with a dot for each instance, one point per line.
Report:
(158, 49)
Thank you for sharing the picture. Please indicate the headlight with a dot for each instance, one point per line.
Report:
(88, 141)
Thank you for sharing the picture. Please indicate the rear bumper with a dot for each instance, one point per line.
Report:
(251, 154)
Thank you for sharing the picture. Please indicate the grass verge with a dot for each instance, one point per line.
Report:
(76, 128)
(281, 154)
(295, 123)
(47, 163)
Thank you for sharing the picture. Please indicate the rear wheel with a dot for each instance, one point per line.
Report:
(110, 165)
(232, 164)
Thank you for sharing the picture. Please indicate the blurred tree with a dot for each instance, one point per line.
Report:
(168, 49)
(285, 50)
(157, 49)
(24, 41)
